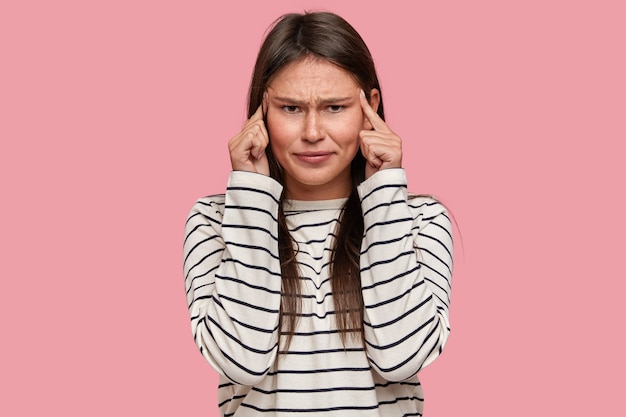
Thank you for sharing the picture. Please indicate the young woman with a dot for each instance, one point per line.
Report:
(316, 284)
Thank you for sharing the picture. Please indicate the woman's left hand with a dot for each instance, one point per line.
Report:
(381, 147)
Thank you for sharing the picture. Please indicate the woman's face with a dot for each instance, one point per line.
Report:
(314, 118)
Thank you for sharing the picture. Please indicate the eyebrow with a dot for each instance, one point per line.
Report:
(323, 101)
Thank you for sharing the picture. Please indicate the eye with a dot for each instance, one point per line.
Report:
(290, 109)
(335, 108)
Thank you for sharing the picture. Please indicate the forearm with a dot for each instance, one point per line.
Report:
(406, 313)
(233, 279)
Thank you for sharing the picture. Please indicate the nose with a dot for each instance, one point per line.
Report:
(313, 130)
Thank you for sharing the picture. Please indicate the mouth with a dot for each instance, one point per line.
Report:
(313, 157)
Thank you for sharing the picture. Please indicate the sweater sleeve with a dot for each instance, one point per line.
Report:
(406, 270)
(232, 277)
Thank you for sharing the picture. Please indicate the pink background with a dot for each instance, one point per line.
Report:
(114, 118)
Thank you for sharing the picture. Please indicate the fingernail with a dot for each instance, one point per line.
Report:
(362, 93)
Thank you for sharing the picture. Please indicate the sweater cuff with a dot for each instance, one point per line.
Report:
(245, 179)
(382, 186)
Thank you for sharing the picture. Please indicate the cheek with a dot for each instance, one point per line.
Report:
(278, 132)
(278, 149)
(347, 131)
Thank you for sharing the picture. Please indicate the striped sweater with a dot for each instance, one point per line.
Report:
(233, 285)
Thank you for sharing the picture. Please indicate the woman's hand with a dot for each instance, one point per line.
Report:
(247, 149)
(381, 147)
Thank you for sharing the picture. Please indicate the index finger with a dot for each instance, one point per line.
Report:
(257, 115)
(377, 123)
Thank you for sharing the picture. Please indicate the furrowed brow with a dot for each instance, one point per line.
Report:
(332, 100)
(297, 102)
(290, 100)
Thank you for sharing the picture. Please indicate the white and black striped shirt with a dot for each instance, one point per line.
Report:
(233, 284)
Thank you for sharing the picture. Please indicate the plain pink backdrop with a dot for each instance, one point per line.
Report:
(114, 118)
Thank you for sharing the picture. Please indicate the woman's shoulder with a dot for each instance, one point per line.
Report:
(214, 199)
(426, 206)
(210, 205)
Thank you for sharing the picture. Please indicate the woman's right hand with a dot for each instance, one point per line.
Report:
(247, 148)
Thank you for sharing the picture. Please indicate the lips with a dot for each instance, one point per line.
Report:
(313, 157)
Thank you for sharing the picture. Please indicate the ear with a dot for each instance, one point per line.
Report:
(374, 102)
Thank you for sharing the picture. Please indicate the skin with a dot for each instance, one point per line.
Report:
(318, 119)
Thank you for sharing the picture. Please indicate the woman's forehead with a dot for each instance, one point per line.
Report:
(317, 77)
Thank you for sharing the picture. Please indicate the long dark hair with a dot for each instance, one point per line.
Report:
(328, 37)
